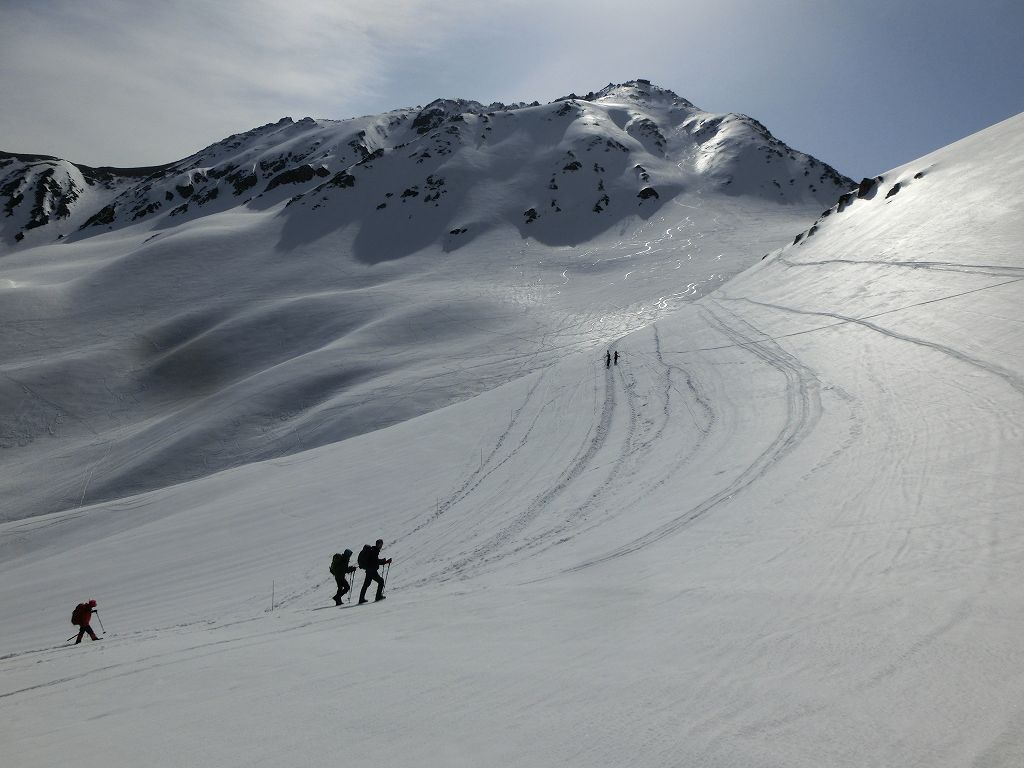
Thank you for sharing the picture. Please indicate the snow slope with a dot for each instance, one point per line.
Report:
(310, 281)
(784, 530)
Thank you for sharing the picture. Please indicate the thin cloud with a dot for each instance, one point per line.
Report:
(150, 82)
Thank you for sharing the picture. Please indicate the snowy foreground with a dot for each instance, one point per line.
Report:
(784, 531)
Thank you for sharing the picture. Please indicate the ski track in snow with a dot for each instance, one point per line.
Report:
(1013, 379)
(490, 550)
(637, 448)
(803, 410)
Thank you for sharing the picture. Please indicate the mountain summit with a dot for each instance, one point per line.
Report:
(566, 171)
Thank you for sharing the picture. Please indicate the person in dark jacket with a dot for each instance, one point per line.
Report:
(370, 561)
(339, 569)
(82, 615)
(608, 359)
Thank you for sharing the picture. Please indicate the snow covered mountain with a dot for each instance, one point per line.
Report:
(625, 149)
(310, 281)
(784, 530)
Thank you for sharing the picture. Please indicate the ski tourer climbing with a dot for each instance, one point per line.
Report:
(608, 359)
(81, 617)
(339, 569)
(370, 560)
(616, 358)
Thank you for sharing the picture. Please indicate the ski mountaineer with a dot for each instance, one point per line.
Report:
(370, 560)
(339, 568)
(616, 357)
(81, 617)
(607, 359)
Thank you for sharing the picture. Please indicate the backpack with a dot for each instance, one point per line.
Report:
(337, 564)
(78, 615)
(365, 558)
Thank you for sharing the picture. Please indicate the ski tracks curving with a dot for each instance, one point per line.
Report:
(803, 409)
(492, 548)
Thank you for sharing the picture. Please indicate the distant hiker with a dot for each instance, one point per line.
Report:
(370, 560)
(81, 617)
(608, 360)
(339, 568)
(616, 357)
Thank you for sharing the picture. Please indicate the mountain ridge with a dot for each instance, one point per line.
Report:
(49, 198)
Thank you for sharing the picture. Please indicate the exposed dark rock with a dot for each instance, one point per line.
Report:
(342, 179)
(411, 192)
(13, 195)
(648, 192)
(893, 191)
(168, 195)
(243, 180)
(919, 175)
(104, 216)
(575, 165)
(373, 156)
(207, 195)
(151, 208)
(38, 220)
(19, 237)
(300, 175)
(530, 214)
(186, 191)
(275, 166)
(867, 187)
(12, 203)
(429, 119)
(219, 173)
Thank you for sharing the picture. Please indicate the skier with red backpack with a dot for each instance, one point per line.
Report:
(81, 617)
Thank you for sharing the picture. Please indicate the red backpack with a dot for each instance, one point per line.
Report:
(78, 616)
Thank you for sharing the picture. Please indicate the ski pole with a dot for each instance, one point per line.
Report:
(387, 570)
(101, 622)
(71, 638)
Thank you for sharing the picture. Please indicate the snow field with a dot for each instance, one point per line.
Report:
(784, 530)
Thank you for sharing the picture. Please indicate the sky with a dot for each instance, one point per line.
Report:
(863, 86)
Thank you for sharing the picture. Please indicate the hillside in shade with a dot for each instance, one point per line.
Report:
(310, 281)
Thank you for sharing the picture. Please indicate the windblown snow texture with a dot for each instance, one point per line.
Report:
(784, 530)
(310, 281)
